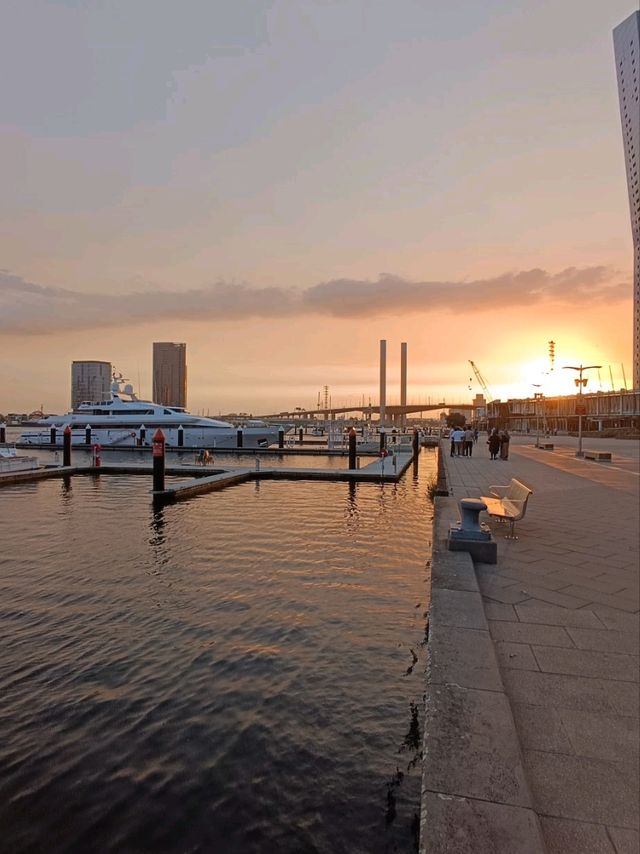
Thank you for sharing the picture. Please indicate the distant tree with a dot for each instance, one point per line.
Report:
(456, 419)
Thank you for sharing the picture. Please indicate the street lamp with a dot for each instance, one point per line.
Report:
(581, 409)
(538, 396)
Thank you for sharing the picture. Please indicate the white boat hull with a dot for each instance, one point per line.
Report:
(192, 437)
(12, 462)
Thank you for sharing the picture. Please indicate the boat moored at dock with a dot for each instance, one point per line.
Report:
(11, 461)
(126, 421)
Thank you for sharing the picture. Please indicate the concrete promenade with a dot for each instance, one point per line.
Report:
(562, 609)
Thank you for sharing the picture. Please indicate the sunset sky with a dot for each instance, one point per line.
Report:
(282, 184)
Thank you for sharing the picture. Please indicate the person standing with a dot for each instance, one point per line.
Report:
(494, 444)
(468, 442)
(458, 440)
(504, 444)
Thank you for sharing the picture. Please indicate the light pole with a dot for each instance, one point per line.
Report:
(580, 407)
(537, 397)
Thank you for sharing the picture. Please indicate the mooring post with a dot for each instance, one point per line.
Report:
(52, 435)
(281, 437)
(143, 434)
(87, 434)
(352, 448)
(416, 446)
(181, 436)
(3, 433)
(383, 439)
(301, 435)
(97, 459)
(158, 453)
(66, 446)
(239, 438)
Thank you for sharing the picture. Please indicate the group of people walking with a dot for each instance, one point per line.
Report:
(463, 440)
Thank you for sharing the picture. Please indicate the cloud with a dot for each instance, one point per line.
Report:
(27, 308)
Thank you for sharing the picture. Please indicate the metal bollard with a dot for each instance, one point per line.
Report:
(239, 438)
(281, 437)
(66, 446)
(3, 433)
(87, 434)
(181, 436)
(383, 439)
(352, 448)
(158, 454)
(470, 509)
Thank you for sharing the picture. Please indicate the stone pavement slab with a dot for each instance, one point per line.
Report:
(471, 746)
(562, 836)
(472, 826)
(532, 633)
(626, 841)
(581, 788)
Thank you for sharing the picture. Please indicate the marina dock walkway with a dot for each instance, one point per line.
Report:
(562, 607)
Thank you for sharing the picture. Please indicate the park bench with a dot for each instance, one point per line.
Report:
(508, 503)
(603, 456)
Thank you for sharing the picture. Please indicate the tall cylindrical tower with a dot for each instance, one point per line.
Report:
(403, 381)
(383, 379)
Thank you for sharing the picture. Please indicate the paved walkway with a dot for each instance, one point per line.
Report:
(563, 610)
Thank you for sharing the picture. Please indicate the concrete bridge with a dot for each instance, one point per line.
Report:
(394, 414)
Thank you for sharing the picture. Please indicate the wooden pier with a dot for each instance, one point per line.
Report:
(202, 479)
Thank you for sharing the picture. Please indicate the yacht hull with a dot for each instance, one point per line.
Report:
(192, 437)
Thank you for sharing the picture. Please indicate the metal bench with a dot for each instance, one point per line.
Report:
(508, 503)
(603, 456)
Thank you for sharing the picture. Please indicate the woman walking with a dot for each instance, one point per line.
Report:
(504, 444)
(494, 444)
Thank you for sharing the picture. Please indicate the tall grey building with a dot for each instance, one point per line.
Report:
(626, 43)
(90, 381)
(170, 373)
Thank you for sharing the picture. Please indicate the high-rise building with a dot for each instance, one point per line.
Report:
(626, 43)
(170, 373)
(90, 381)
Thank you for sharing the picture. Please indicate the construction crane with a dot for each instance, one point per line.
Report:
(481, 380)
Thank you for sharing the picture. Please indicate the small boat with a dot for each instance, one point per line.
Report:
(11, 461)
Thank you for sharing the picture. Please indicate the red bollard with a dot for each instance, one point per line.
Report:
(97, 459)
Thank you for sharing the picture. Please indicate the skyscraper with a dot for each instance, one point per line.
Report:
(170, 373)
(626, 43)
(90, 381)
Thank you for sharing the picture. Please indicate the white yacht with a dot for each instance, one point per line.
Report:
(124, 420)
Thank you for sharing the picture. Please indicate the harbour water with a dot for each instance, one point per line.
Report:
(242, 672)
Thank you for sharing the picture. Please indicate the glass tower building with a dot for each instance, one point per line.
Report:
(170, 373)
(90, 381)
(626, 43)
